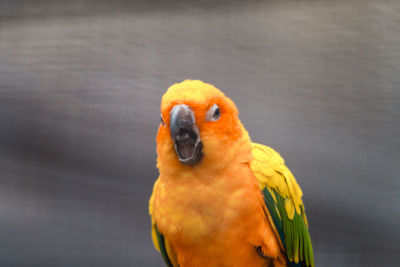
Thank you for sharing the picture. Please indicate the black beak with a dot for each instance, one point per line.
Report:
(185, 134)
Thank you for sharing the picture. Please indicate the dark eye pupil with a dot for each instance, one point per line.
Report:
(216, 113)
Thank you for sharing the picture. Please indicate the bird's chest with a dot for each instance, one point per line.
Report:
(198, 211)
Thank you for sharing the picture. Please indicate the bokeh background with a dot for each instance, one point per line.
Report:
(80, 87)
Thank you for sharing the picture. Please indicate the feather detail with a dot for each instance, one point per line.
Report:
(154, 237)
(282, 197)
(162, 246)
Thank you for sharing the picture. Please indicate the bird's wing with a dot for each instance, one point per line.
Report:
(282, 197)
(159, 241)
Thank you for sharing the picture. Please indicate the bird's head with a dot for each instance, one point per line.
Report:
(199, 128)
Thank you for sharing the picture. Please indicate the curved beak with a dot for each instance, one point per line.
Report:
(185, 135)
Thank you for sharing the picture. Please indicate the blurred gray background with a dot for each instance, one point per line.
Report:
(80, 88)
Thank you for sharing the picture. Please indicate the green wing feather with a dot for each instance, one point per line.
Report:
(282, 197)
(162, 246)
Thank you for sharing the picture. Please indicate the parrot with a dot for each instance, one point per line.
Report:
(220, 199)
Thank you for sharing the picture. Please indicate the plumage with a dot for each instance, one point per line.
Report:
(283, 199)
(235, 205)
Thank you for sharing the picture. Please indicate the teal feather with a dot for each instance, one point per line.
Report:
(161, 243)
(271, 205)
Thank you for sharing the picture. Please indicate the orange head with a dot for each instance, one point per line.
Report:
(200, 129)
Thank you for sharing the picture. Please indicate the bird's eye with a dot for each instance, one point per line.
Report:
(216, 114)
(213, 114)
(162, 121)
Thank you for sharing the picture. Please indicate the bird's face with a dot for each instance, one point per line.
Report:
(199, 125)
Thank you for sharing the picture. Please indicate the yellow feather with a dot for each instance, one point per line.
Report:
(152, 199)
(154, 237)
(303, 214)
(296, 255)
(289, 208)
(153, 229)
(277, 211)
(272, 194)
(271, 172)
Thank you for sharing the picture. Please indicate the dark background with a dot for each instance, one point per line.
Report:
(80, 87)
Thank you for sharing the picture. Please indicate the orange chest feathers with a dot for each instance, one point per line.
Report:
(209, 216)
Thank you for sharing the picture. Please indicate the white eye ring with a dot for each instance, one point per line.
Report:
(162, 120)
(213, 114)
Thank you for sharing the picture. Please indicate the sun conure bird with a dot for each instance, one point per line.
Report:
(221, 200)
